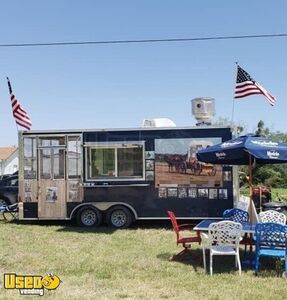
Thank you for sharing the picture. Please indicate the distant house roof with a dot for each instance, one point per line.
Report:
(5, 152)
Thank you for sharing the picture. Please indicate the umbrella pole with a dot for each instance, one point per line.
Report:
(250, 175)
(250, 188)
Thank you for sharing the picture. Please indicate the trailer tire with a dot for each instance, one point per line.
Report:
(89, 216)
(119, 217)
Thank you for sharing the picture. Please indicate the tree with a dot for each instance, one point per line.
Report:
(236, 128)
(261, 130)
(271, 175)
(267, 175)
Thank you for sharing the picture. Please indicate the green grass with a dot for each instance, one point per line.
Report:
(125, 264)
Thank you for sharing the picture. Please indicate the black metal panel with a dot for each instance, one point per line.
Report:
(30, 209)
(150, 135)
(145, 199)
(71, 206)
(147, 204)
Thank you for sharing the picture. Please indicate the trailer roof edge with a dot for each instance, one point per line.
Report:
(120, 129)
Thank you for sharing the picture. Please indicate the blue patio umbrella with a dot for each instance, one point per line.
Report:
(244, 150)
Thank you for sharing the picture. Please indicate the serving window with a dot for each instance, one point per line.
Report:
(115, 161)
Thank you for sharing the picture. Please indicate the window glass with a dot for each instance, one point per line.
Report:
(116, 161)
(102, 162)
(130, 162)
(52, 157)
(74, 157)
(58, 163)
(46, 159)
(30, 163)
(46, 142)
(12, 181)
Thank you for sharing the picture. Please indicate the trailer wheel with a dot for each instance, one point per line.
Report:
(119, 217)
(89, 216)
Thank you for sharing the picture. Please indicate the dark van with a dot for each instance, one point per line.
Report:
(9, 190)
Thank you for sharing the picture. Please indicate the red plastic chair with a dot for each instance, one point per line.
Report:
(185, 241)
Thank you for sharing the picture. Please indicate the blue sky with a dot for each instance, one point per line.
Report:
(117, 86)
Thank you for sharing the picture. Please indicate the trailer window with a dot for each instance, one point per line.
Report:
(130, 162)
(74, 157)
(103, 163)
(117, 161)
(52, 157)
(30, 158)
(58, 163)
(46, 159)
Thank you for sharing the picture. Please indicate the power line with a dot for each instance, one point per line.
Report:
(146, 40)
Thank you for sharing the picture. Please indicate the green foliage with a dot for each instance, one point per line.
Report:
(267, 175)
(275, 175)
(278, 136)
(261, 130)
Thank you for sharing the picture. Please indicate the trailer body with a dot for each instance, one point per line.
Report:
(120, 175)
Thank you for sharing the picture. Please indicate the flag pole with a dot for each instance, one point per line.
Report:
(233, 103)
(10, 92)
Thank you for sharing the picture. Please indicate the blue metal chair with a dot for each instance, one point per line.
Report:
(236, 215)
(240, 216)
(271, 240)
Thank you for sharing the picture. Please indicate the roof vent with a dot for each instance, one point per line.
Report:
(158, 122)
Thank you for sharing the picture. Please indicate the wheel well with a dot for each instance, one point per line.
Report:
(103, 207)
(74, 212)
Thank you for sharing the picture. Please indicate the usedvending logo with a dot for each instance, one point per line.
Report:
(31, 284)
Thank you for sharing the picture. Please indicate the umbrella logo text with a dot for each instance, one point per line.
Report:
(273, 154)
(230, 144)
(220, 155)
(265, 143)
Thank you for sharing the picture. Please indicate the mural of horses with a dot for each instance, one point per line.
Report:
(175, 162)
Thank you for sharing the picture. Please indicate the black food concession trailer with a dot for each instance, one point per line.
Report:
(121, 175)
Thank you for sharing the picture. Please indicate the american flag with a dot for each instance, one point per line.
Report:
(246, 86)
(20, 115)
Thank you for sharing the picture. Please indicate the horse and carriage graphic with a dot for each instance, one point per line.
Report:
(188, 163)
